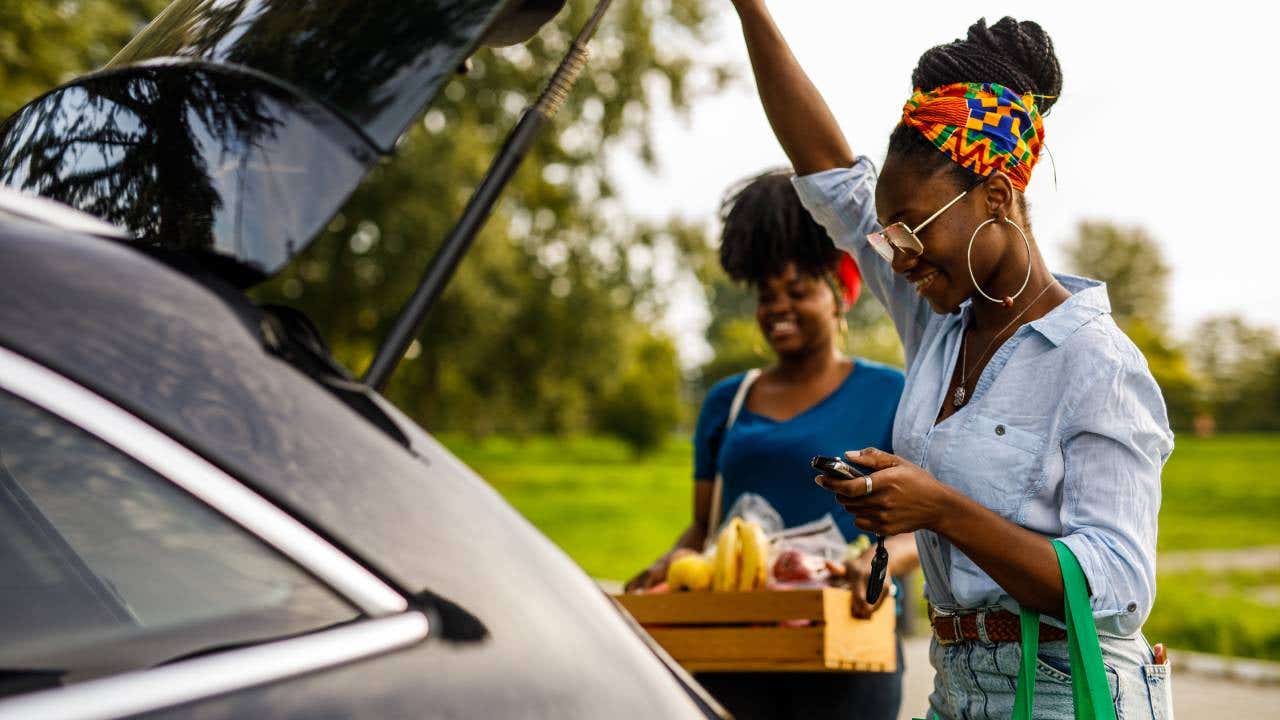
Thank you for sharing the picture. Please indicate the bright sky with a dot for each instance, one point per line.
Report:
(1164, 122)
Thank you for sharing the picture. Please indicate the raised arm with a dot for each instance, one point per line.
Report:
(838, 192)
(799, 116)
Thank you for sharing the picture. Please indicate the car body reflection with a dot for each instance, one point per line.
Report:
(215, 164)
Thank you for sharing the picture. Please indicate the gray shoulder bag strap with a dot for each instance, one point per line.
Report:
(717, 491)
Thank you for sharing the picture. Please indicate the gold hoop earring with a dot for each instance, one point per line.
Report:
(844, 333)
(968, 256)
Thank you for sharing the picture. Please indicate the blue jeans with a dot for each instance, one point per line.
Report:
(976, 681)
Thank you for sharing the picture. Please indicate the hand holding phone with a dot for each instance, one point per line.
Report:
(842, 470)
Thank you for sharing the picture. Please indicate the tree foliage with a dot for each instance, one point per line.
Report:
(1132, 265)
(549, 325)
(554, 308)
(1240, 366)
(45, 43)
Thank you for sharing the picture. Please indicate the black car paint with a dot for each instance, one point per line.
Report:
(377, 62)
(185, 360)
(232, 130)
(520, 630)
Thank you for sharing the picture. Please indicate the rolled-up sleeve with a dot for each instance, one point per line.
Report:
(1114, 446)
(843, 201)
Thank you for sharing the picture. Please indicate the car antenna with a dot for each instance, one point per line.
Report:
(478, 208)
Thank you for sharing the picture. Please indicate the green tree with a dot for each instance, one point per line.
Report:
(1241, 367)
(46, 42)
(553, 309)
(1132, 265)
(557, 299)
(639, 405)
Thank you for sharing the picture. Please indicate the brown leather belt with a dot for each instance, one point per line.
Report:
(1000, 626)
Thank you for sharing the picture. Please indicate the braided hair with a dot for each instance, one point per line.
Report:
(766, 227)
(1018, 55)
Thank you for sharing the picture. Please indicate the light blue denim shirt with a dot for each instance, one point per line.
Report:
(1065, 433)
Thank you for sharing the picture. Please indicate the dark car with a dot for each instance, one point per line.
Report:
(201, 514)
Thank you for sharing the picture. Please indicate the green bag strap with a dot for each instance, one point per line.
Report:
(1089, 676)
(1089, 687)
(1024, 701)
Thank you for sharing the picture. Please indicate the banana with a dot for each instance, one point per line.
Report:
(755, 557)
(727, 559)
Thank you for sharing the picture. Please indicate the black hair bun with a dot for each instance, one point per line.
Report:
(1018, 55)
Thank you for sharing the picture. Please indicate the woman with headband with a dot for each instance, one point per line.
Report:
(1027, 415)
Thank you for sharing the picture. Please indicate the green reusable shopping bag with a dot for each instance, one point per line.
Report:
(1089, 686)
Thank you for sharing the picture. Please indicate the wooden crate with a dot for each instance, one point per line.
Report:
(744, 631)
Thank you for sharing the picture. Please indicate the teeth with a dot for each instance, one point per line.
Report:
(923, 282)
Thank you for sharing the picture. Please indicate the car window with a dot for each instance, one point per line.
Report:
(106, 566)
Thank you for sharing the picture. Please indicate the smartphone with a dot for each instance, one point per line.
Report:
(836, 468)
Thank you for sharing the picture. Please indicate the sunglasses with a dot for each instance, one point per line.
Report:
(904, 239)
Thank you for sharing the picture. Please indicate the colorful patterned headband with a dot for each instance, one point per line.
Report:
(981, 126)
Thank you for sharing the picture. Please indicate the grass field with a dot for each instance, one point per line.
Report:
(614, 514)
(611, 512)
(1228, 613)
(1222, 492)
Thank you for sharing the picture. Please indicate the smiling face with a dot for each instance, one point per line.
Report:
(940, 274)
(797, 312)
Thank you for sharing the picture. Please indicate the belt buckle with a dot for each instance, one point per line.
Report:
(955, 627)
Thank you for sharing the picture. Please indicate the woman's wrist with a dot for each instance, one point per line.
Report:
(749, 9)
(955, 511)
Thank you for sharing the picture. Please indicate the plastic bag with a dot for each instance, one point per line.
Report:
(798, 556)
(750, 507)
(801, 553)
(821, 538)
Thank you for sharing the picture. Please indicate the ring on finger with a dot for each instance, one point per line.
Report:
(868, 479)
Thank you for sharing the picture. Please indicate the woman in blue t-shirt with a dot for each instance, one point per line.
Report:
(812, 401)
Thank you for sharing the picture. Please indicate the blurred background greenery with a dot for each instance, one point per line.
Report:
(545, 365)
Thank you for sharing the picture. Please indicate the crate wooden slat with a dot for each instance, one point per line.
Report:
(741, 631)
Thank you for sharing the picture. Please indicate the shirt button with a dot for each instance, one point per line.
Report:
(1133, 607)
(999, 429)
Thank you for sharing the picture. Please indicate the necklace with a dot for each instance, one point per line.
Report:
(960, 396)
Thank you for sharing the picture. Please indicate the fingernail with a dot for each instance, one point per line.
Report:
(853, 454)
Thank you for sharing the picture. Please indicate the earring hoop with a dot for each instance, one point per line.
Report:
(1008, 300)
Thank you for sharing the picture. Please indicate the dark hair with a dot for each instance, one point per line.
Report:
(1018, 55)
(766, 227)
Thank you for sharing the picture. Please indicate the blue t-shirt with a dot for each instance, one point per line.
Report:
(771, 458)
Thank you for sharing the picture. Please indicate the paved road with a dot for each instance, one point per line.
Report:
(1266, 557)
(1195, 697)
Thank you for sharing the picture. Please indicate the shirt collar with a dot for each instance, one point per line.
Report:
(1088, 300)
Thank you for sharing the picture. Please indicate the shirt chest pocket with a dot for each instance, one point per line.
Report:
(995, 463)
